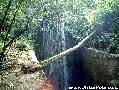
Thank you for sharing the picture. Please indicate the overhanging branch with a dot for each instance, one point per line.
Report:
(55, 57)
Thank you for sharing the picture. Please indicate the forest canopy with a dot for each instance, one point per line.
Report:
(20, 18)
(35, 33)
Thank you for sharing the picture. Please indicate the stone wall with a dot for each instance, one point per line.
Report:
(102, 66)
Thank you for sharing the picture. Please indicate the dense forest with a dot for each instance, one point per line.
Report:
(57, 44)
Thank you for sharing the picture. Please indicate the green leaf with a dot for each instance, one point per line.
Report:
(4, 1)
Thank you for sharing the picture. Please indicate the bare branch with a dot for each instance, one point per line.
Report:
(54, 58)
(35, 68)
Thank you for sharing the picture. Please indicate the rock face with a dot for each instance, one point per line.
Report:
(52, 41)
(102, 66)
(79, 76)
(82, 67)
(14, 78)
(91, 67)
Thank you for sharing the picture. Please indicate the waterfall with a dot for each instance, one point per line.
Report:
(64, 58)
(53, 42)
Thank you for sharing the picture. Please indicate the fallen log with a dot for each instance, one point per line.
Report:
(46, 62)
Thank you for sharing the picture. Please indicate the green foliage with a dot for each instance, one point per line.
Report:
(79, 16)
(23, 44)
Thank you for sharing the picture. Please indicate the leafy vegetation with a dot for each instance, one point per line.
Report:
(21, 20)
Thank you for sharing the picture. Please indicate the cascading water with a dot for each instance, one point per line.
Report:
(52, 39)
(64, 61)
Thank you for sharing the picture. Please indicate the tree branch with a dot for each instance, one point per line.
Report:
(17, 34)
(27, 69)
(13, 19)
(3, 20)
(55, 57)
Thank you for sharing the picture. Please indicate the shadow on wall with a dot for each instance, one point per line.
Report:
(79, 75)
